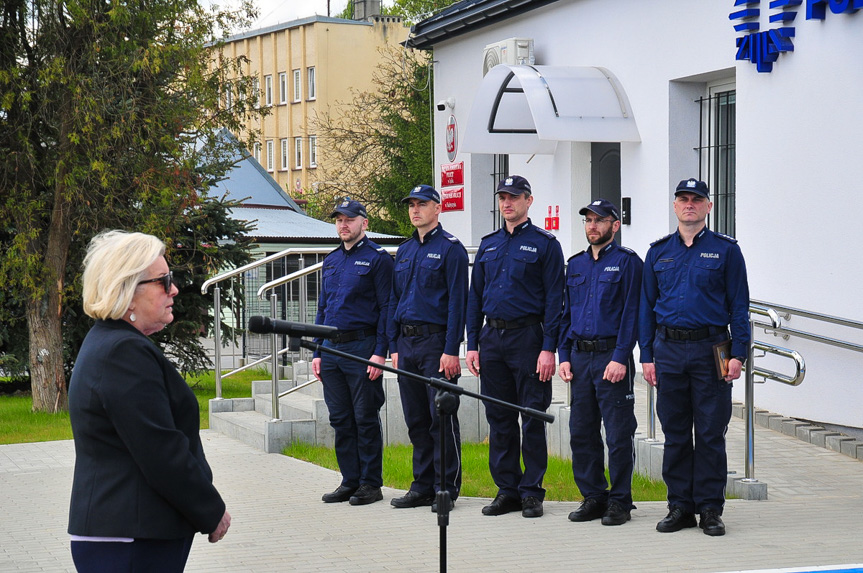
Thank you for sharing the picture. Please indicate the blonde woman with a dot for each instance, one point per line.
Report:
(142, 487)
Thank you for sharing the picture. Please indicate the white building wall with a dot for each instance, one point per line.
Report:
(799, 187)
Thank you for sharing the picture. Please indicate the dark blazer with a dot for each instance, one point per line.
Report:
(140, 469)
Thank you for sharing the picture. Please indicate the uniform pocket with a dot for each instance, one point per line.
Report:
(430, 274)
(576, 286)
(707, 272)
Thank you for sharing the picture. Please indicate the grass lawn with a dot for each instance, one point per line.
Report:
(19, 425)
(476, 479)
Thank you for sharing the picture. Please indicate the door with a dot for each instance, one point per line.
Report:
(605, 175)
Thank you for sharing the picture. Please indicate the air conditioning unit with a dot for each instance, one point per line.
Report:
(513, 51)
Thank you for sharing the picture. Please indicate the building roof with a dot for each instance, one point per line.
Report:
(285, 226)
(277, 218)
(466, 16)
(305, 21)
(250, 183)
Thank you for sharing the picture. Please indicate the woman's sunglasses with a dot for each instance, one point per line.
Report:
(166, 280)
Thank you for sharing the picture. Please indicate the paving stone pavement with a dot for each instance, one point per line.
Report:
(813, 518)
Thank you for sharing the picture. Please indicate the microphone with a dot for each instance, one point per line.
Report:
(265, 325)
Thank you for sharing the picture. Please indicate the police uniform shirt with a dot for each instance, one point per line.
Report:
(355, 290)
(693, 287)
(516, 275)
(601, 300)
(430, 286)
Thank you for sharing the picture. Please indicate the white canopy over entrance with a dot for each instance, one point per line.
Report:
(528, 109)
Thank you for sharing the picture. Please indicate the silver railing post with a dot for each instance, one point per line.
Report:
(749, 449)
(217, 335)
(275, 364)
(301, 308)
(651, 409)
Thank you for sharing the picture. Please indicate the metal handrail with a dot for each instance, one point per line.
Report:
(217, 331)
(775, 314)
(288, 278)
(799, 364)
(258, 262)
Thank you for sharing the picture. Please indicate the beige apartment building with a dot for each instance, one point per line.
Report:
(303, 67)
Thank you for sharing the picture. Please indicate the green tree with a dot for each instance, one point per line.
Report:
(378, 145)
(105, 108)
(411, 11)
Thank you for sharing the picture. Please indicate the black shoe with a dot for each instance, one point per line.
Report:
(502, 504)
(531, 507)
(711, 523)
(615, 514)
(366, 494)
(590, 509)
(676, 520)
(340, 494)
(412, 499)
(451, 505)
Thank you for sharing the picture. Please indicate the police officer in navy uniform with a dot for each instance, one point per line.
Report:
(694, 287)
(427, 316)
(355, 290)
(517, 287)
(598, 333)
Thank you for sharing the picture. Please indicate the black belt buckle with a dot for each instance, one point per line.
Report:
(411, 330)
(691, 335)
(521, 322)
(599, 345)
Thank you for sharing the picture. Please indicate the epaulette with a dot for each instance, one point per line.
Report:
(408, 240)
(547, 234)
(575, 255)
(726, 237)
(381, 250)
(490, 234)
(626, 250)
(452, 238)
(665, 238)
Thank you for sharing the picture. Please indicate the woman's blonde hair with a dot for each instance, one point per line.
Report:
(116, 261)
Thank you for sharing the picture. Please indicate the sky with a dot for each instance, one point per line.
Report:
(277, 11)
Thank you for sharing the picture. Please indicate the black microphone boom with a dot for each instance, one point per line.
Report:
(266, 325)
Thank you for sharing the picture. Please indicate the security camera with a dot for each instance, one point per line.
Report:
(446, 103)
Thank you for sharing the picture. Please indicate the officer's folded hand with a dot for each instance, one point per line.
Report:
(545, 365)
(375, 372)
(614, 372)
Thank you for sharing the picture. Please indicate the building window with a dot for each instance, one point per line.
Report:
(286, 154)
(717, 158)
(298, 86)
(256, 91)
(312, 88)
(313, 151)
(256, 151)
(298, 153)
(268, 90)
(271, 155)
(229, 95)
(501, 170)
(283, 87)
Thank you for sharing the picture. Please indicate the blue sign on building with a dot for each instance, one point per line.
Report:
(763, 47)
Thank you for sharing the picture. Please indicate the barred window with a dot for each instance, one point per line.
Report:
(717, 158)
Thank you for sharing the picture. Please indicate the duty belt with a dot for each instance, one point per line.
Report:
(421, 329)
(528, 320)
(600, 345)
(694, 334)
(352, 335)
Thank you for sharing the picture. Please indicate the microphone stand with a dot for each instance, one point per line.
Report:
(446, 404)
